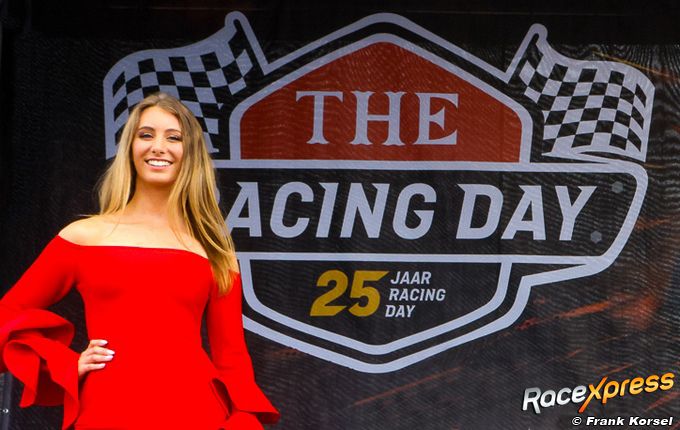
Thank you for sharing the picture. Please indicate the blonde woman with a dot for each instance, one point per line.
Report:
(147, 267)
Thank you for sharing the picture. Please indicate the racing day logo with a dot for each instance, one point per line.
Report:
(393, 196)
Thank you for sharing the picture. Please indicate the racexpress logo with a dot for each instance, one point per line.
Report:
(604, 391)
(393, 196)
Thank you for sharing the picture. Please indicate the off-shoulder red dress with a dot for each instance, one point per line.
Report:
(148, 303)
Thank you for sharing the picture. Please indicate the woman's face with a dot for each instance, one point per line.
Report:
(157, 147)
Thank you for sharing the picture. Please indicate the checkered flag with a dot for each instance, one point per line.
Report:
(588, 106)
(203, 76)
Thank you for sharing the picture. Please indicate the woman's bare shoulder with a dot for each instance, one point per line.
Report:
(87, 231)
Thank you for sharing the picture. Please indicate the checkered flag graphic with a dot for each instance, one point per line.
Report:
(203, 76)
(588, 106)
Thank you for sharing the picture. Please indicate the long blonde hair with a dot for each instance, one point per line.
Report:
(193, 193)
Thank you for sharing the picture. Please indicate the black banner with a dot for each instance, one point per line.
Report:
(445, 217)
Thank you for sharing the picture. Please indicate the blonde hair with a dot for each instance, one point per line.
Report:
(193, 193)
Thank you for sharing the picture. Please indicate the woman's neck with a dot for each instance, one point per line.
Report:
(150, 204)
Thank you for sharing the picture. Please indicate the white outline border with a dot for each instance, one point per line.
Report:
(585, 266)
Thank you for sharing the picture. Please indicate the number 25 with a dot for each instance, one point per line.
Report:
(322, 306)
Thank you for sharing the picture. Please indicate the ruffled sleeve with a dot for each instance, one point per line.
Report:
(34, 342)
(230, 355)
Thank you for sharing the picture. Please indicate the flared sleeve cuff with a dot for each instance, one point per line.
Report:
(35, 349)
(246, 396)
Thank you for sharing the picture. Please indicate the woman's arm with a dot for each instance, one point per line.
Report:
(34, 343)
(231, 358)
(46, 281)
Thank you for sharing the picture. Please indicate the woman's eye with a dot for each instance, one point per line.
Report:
(175, 138)
(145, 135)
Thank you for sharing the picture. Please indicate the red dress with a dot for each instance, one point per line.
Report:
(148, 303)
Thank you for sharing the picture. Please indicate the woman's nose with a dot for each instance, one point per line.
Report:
(158, 144)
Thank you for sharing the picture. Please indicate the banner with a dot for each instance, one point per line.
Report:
(431, 232)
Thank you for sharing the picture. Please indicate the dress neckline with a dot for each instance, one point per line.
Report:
(152, 248)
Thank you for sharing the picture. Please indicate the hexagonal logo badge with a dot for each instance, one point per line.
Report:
(393, 196)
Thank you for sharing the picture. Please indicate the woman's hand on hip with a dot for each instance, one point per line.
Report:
(94, 357)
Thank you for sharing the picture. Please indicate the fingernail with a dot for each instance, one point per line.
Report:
(108, 357)
(110, 351)
(103, 342)
(101, 364)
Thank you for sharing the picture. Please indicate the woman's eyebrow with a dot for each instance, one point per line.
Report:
(172, 130)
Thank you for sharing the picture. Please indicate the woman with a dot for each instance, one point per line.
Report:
(147, 266)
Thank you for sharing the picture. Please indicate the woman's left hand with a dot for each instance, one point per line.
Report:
(94, 357)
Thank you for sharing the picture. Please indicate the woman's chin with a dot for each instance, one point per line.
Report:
(156, 182)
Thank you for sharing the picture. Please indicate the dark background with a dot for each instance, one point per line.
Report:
(621, 323)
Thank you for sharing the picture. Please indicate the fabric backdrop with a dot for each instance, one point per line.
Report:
(442, 211)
